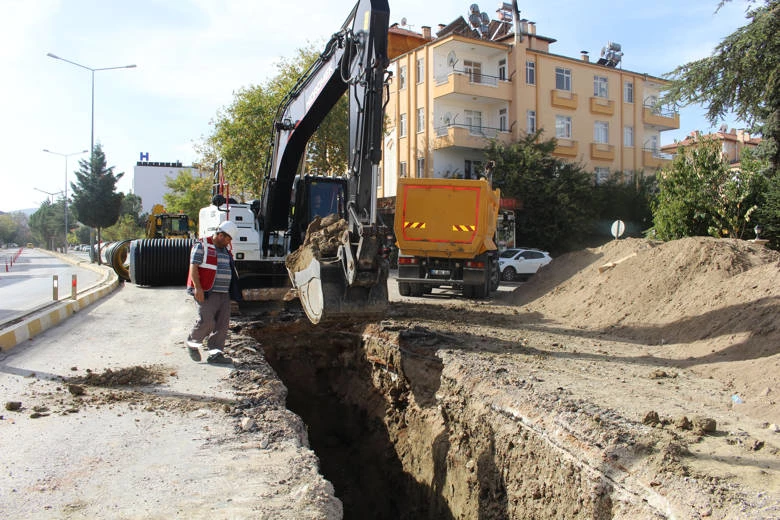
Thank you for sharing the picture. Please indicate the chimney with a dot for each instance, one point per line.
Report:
(426, 32)
(532, 28)
(584, 56)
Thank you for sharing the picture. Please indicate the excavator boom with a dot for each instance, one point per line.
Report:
(350, 279)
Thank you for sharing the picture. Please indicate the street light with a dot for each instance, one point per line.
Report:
(66, 155)
(92, 128)
(49, 193)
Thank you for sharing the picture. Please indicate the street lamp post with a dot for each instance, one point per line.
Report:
(92, 70)
(92, 126)
(66, 155)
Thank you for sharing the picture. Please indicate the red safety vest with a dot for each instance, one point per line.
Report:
(207, 271)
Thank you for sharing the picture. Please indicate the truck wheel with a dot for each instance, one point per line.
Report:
(509, 274)
(468, 291)
(404, 289)
(495, 277)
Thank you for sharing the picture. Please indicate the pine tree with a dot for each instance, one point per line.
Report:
(95, 200)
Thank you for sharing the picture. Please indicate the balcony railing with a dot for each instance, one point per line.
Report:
(475, 130)
(654, 158)
(468, 136)
(660, 116)
(474, 77)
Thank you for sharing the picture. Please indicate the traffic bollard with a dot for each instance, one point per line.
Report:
(54, 287)
(73, 287)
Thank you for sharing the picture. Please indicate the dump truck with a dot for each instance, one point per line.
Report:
(445, 230)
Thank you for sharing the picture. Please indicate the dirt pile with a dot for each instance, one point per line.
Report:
(707, 304)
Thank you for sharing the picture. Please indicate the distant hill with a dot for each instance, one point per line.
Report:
(28, 211)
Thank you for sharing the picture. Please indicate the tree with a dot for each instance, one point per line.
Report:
(741, 76)
(556, 196)
(188, 194)
(47, 223)
(243, 131)
(8, 228)
(95, 200)
(699, 195)
(628, 201)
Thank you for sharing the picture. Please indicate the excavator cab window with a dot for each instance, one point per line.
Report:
(326, 198)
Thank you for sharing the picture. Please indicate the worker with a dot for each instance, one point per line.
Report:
(213, 282)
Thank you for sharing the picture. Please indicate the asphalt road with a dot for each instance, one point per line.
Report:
(27, 285)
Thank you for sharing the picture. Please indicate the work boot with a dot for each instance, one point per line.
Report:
(217, 357)
(193, 349)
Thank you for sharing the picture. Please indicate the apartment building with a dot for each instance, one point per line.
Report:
(485, 79)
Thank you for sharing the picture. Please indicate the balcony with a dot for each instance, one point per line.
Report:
(653, 158)
(467, 136)
(566, 148)
(469, 84)
(563, 99)
(602, 152)
(599, 105)
(661, 118)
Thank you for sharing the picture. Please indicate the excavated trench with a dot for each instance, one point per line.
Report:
(402, 438)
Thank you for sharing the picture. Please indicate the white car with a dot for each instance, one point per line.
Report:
(521, 263)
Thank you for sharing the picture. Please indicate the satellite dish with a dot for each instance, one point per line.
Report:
(447, 118)
(452, 59)
(618, 228)
(403, 21)
(723, 128)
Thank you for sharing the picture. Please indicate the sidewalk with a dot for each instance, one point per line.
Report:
(163, 437)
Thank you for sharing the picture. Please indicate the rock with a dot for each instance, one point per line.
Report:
(13, 405)
(651, 418)
(247, 423)
(704, 424)
(774, 428)
(76, 389)
(683, 423)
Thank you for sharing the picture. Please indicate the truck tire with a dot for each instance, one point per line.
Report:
(404, 289)
(495, 276)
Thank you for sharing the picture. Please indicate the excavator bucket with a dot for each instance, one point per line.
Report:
(330, 282)
(325, 295)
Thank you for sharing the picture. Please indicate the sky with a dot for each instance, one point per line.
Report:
(191, 56)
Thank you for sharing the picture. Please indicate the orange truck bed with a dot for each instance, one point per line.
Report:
(453, 218)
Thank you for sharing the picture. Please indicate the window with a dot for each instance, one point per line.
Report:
(474, 121)
(600, 87)
(601, 132)
(472, 169)
(474, 70)
(628, 92)
(563, 78)
(420, 167)
(563, 127)
(402, 126)
(502, 70)
(420, 120)
(652, 143)
(530, 72)
(402, 169)
(402, 78)
(379, 176)
(503, 121)
(530, 121)
(628, 136)
(602, 175)
(420, 70)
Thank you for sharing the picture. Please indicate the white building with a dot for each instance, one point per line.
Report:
(149, 180)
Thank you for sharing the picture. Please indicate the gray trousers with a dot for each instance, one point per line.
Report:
(213, 320)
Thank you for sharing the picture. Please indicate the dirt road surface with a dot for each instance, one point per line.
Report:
(635, 380)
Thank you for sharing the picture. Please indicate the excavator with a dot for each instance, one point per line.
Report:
(286, 229)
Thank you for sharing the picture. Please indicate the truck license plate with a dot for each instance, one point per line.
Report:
(440, 272)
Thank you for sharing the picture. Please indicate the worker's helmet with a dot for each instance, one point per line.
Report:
(229, 228)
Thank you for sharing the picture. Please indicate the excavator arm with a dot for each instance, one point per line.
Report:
(352, 281)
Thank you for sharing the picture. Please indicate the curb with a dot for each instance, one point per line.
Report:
(37, 323)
